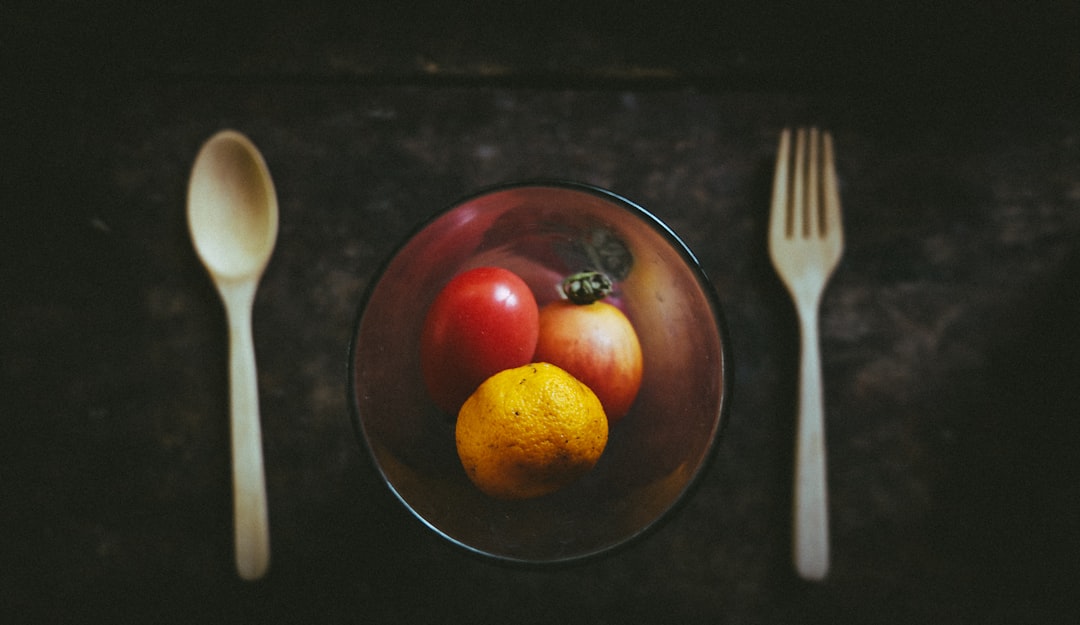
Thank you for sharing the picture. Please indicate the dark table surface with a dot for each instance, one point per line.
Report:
(949, 331)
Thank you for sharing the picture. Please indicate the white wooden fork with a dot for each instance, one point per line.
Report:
(806, 240)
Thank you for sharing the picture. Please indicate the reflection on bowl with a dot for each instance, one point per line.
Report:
(544, 231)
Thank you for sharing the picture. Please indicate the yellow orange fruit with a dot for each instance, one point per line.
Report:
(530, 431)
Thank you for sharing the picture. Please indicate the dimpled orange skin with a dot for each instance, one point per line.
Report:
(530, 431)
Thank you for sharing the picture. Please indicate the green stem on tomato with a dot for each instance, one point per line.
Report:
(586, 287)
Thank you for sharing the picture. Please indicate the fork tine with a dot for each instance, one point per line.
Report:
(798, 183)
(778, 212)
(812, 226)
(831, 192)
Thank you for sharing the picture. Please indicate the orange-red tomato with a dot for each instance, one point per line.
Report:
(482, 322)
(597, 344)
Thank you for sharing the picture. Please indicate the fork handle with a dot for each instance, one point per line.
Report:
(810, 540)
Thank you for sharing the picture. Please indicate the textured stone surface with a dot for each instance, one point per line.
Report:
(949, 342)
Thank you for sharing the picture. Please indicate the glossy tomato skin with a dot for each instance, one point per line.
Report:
(597, 344)
(484, 320)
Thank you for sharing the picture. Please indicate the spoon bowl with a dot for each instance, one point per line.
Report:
(233, 220)
(232, 207)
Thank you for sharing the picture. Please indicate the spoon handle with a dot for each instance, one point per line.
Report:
(252, 528)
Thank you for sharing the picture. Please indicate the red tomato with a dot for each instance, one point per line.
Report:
(596, 344)
(482, 322)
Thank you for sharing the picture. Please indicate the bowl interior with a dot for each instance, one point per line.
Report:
(543, 232)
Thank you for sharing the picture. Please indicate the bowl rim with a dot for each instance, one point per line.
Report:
(708, 290)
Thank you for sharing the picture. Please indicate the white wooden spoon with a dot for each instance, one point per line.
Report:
(233, 219)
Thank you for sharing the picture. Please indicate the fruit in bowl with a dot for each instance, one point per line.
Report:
(530, 431)
(594, 341)
(527, 431)
(484, 320)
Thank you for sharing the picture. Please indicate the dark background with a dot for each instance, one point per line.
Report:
(949, 331)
